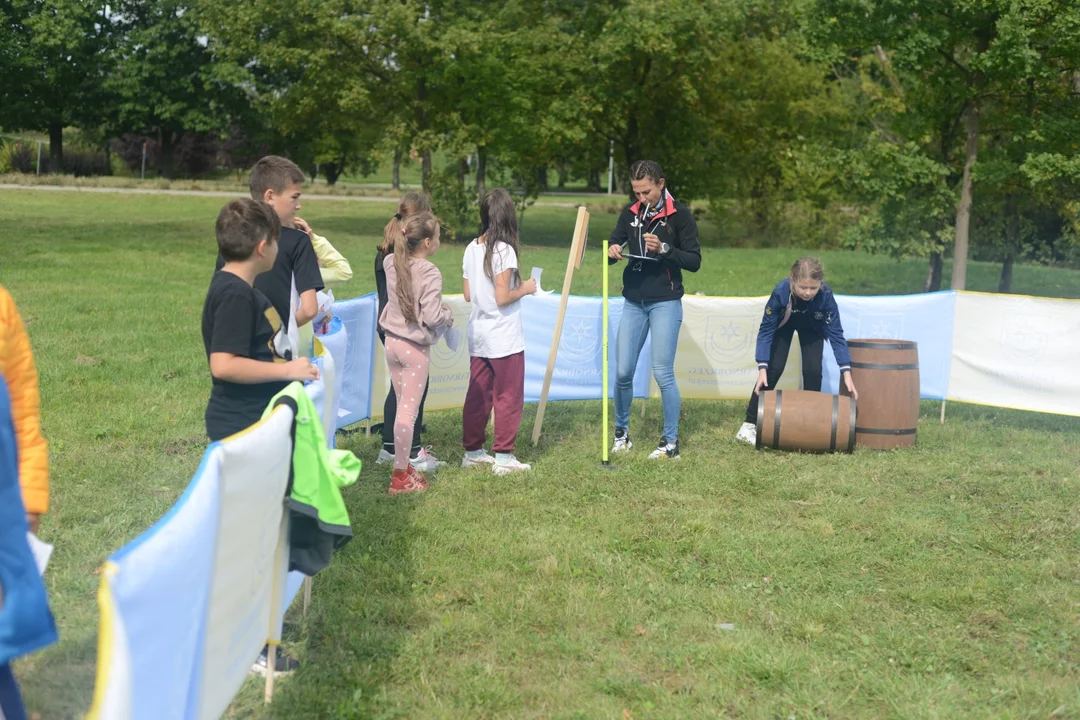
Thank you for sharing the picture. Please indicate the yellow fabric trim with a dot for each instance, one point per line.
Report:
(1026, 297)
(244, 432)
(106, 632)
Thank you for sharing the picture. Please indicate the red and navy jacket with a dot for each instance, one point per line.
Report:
(820, 312)
(655, 281)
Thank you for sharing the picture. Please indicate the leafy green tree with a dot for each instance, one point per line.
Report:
(166, 80)
(951, 63)
(54, 56)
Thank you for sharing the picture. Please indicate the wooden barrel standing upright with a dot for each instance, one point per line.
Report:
(805, 421)
(886, 374)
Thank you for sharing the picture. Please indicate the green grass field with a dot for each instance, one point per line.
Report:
(938, 582)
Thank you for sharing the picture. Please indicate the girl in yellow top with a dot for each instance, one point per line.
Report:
(334, 268)
(18, 371)
(333, 265)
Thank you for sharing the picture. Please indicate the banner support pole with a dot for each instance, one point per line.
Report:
(942, 412)
(271, 663)
(604, 353)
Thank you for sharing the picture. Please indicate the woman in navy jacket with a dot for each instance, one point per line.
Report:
(801, 302)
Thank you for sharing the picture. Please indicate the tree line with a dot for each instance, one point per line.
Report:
(928, 128)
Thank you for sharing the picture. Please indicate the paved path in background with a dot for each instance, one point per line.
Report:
(223, 193)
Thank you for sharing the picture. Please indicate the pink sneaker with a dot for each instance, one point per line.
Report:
(406, 481)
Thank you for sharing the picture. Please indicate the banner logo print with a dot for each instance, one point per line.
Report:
(728, 339)
(884, 327)
(442, 357)
(1024, 336)
(580, 342)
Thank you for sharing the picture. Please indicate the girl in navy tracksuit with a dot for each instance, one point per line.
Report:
(801, 302)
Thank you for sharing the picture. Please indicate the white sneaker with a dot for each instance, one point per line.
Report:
(509, 466)
(477, 457)
(284, 664)
(622, 442)
(747, 434)
(385, 457)
(425, 461)
(665, 451)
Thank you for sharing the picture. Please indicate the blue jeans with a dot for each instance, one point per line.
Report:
(664, 318)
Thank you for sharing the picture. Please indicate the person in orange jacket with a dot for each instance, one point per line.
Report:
(18, 371)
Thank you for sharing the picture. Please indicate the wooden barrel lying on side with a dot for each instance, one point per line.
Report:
(805, 421)
(886, 374)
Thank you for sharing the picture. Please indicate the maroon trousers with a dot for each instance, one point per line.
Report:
(499, 382)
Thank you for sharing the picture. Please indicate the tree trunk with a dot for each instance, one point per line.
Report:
(167, 145)
(56, 147)
(333, 171)
(1005, 285)
(967, 187)
(481, 172)
(395, 177)
(542, 178)
(631, 149)
(426, 170)
(1012, 242)
(422, 126)
(933, 275)
(462, 170)
(594, 180)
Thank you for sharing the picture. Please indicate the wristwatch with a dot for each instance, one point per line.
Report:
(664, 248)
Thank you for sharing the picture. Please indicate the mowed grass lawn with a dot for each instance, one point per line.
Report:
(942, 581)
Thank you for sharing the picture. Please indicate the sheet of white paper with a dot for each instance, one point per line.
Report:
(536, 272)
(42, 551)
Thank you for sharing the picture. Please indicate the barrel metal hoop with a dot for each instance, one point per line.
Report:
(776, 428)
(886, 431)
(884, 366)
(835, 419)
(760, 419)
(851, 427)
(882, 345)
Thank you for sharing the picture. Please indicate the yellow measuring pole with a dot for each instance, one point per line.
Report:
(604, 350)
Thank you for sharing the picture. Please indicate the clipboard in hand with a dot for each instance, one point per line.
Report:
(638, 257)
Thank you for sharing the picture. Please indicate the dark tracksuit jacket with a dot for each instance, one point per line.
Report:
(646, 281)
(821, 313)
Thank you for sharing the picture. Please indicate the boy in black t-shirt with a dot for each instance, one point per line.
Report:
(245, 341)
(277, 182)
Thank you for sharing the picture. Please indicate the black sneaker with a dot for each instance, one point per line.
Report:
(622, 441)
(284, 664)
(665, 450)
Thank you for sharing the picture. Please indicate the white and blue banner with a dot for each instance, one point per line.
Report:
(1016, 352)
(926, 319)
(188, 605)
(715, 359)
(578, 373)
(357, 316)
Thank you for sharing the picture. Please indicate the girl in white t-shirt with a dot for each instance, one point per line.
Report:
(496, 341)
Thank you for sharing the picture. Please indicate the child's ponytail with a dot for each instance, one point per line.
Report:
(410, 204)
(409, 237)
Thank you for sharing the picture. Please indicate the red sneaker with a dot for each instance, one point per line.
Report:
(403, 481)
